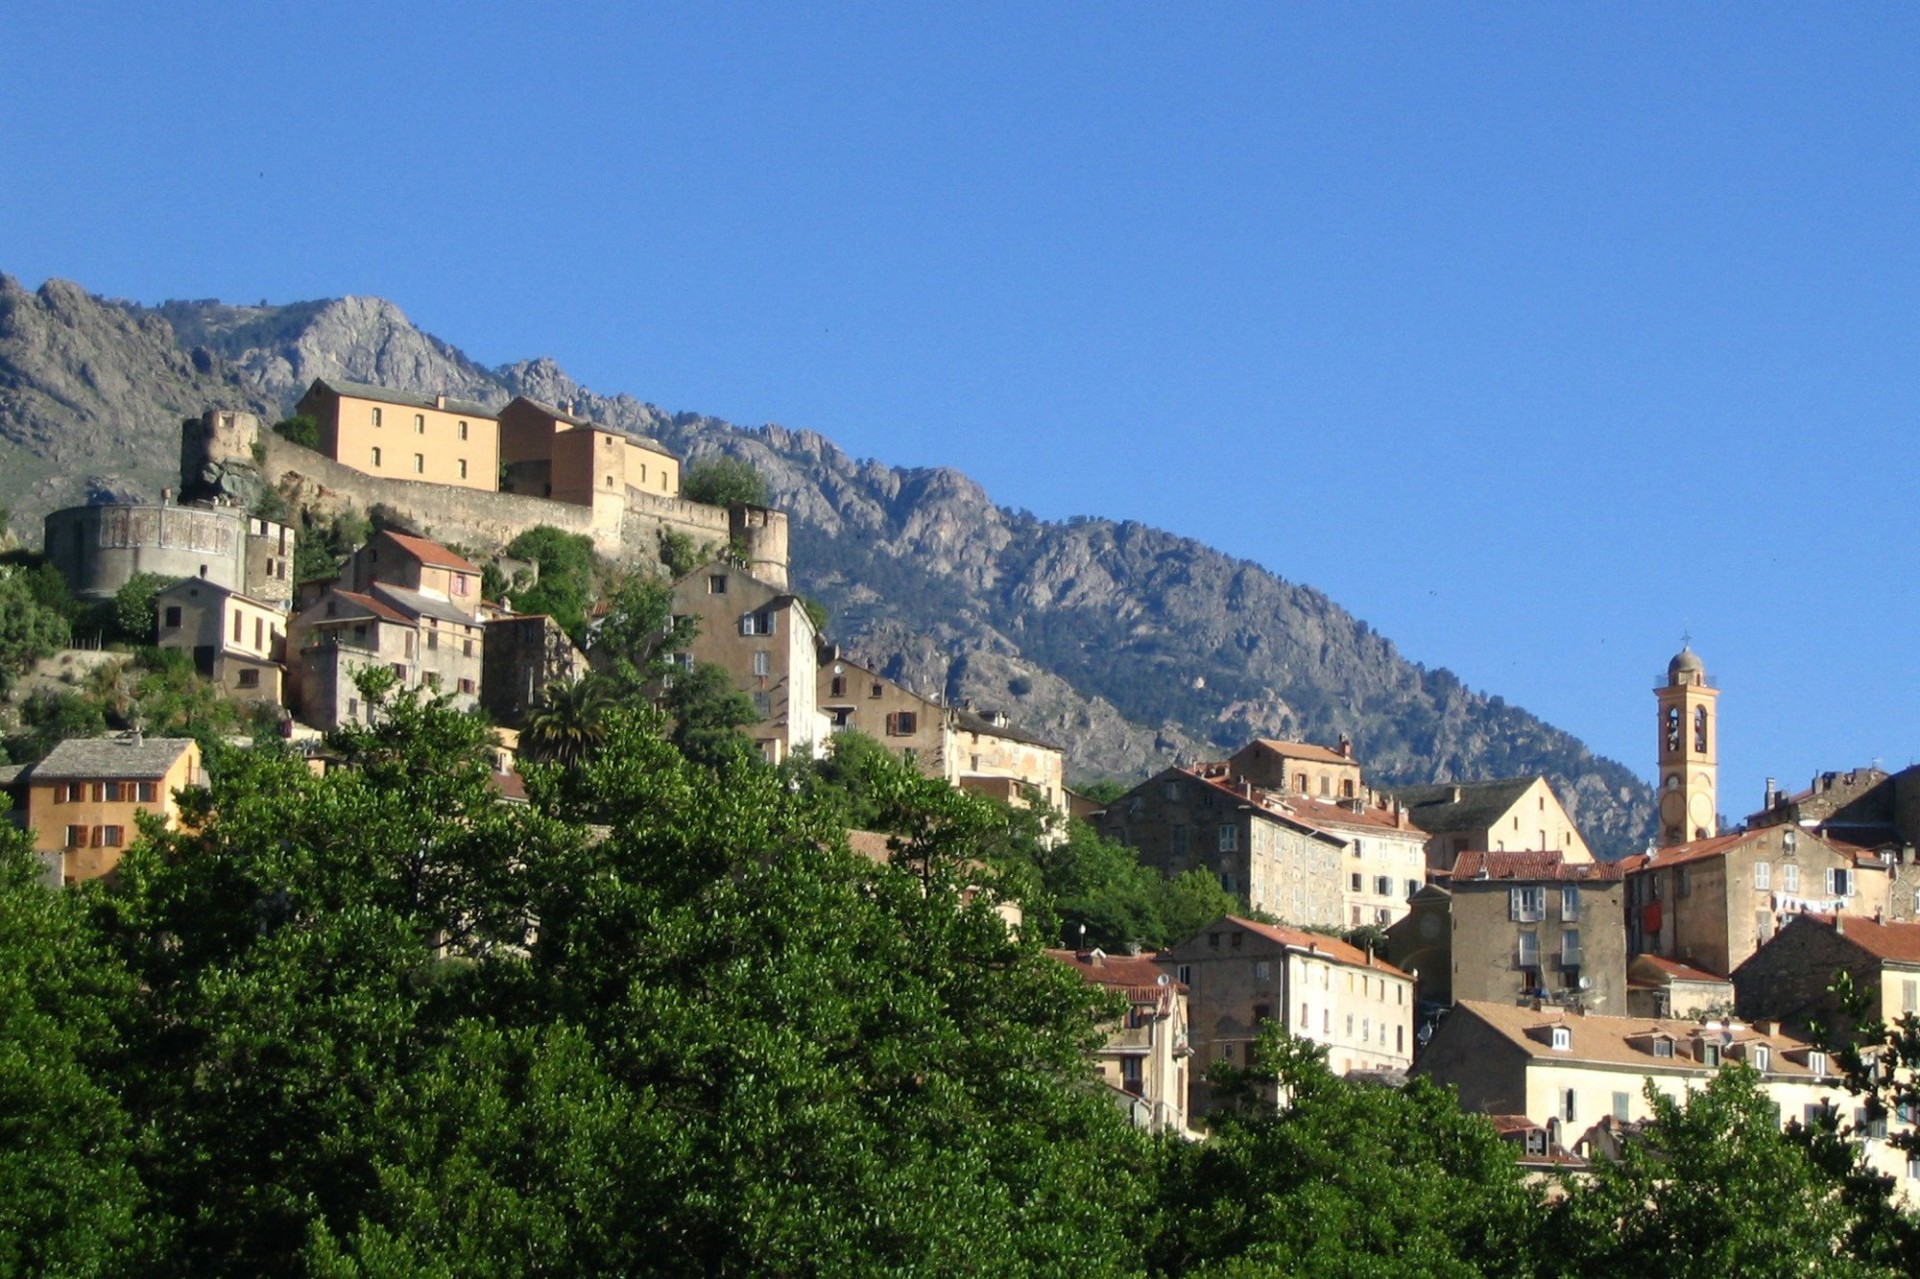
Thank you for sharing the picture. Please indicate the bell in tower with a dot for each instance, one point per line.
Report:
(1689, 807)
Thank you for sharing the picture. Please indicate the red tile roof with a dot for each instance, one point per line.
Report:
(1885, 940)
(1532, 865)
(1320, 812)
(431, 553)
(1332, 947)
(1138, 976)
(371, 605)
(1677, 971)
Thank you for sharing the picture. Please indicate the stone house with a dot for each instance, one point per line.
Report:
(762, 636)
(1659, 987)
(414, 564)
(236, 641)
(1182, 819)
(1146, 1054)
(1515, 815)
(404, 435)
(1583, 1077)
(1532, 925)
(548, 452)
(1790, 978)
(426, 641)
(1240, 974)
(1712, 902)
(1297, 768)
(524, 653)
(1385, 862)
(84, 798)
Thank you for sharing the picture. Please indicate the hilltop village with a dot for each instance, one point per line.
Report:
(1461, 931)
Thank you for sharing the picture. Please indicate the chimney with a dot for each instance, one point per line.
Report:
(440, 401)
(1879, 915)
(1839, 924)
(1773, 794)
(1456, 794)
(1346, 746)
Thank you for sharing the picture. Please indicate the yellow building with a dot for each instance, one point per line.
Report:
(1145, 1057)
(84, 797)
(548, 452)
(1688, 752)
(236, 641)
(1514, 815)
(1297, 767)
(1584, 1078)
(401, 435)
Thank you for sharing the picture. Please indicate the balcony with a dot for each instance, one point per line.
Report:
(1131, 1039)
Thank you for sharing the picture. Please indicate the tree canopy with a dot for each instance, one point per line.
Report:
(723, 480)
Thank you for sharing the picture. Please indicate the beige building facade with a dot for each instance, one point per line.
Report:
(1146, 1055)
(1535, 926)
(1712, 902)
(1520, 814)
(1582, 1077)
(1297, 768)
(1240, 974)
(546, 451)
(1791, 978)
(237, 642)
(764, 639)
(401, 435)
(85, 798)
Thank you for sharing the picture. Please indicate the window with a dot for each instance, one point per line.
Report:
(1300, 782)
(145, 792)
(1527, 905)
(376, 456)
(1570, 902)
(400, 669)
(1326, 1021)
(1354, 881)
(1567, 1110)
(903, 723)
(1213, 940)
(1413, 886)
(1686, 881)
(1262, 1012)
(1709, 1054)
(762, 664)
(1383, 885)
(1839, 883)
(1184, 974)
(1179, 837)
(76, 837)
(249, 678)
(1261, 970)
(1909, 995)
(353, 708)
(111, 836)
(466, 686)
(1570, 948)
(1229, 837)
(1346, 788)
(419, 463)
(1663, 1047)
(462, 429)
(1562, 1039)
(1762, 1057)
(717, 584)
(113, 792)
(419, 423)
(876, 690)
(1700, 730)
(1303, 1015)
(1528, 953)
(1817, 1064)
(1130, 1076)
(1622, 1106)
(837, 687)
(432, 680)
(259, 632)
(463, 468)
(1349, 1025)
(1763, 875)
(173, 615)
(763, 705)
(376, 417)
(1790, 878)
(1326, 786)
(757, 623)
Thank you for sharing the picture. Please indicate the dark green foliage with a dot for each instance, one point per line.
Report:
(723, 480)
(299, 429)
(566, 584)
(1713, 1189)
(48, 719)
(322, 543)
(134, 620)
(30, 628)
(1349, 1180)
(1106, 790)
(68, 1195)
(568, 725)
(679, 554)
(708, 713)
(1019, 686)
(636, 636)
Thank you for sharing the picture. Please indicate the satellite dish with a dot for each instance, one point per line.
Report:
(1586, 983)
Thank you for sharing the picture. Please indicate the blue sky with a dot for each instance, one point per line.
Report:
(1535, 335)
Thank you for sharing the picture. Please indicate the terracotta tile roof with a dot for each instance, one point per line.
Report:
(367, 604)
(1332, 947)
(1674, 970)
(1885, 940)
(1138, 976)
(1611, 1040)
(1303, 750)
(431, 553)
(1539, 864)
(1327, 814)
(1720, 845)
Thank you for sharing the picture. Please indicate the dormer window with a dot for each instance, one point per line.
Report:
(1709, 1054)
(1562, 1039)
(1663, 1047)
(1761, 1056)
(1817, 1063)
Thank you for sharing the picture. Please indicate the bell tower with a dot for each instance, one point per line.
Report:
(1689, 752)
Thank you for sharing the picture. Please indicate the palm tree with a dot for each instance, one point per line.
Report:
(566, 727)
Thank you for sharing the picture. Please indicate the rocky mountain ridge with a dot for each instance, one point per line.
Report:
(1132, 646)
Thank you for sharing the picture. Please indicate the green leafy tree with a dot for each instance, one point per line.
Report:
(1712, 1188)
(134, 618)
(30, 629)
(68, 1192)
(568, 725)
(633, 641)
(1346, 1179)
(679, 554)
(566, 584)
(299, 429)
(708, 713)
(723, 480)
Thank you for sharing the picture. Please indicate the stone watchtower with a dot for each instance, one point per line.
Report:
(1689, 754)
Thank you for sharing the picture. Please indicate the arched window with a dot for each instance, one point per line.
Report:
(1673, 728)
(1699, 730)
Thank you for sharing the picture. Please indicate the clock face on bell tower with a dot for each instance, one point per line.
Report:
(1688, 763)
